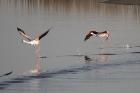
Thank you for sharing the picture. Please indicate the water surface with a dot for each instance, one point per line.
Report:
(70, 64)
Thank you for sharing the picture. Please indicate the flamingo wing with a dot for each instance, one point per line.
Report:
(44, 34)
(21, 32)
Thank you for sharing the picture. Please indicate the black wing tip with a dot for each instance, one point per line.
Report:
(6, 74)
(44, 34)
(85, 39)
(49, 29)
(19, 29)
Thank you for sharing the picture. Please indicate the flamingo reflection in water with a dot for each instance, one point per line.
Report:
(99, 59)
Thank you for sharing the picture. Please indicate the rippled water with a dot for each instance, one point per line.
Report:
(70, 65)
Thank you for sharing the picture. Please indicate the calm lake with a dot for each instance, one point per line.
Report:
(68, 63)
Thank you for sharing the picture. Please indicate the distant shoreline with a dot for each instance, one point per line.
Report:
(126, 2)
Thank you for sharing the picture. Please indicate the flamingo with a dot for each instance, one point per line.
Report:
(104, 34)
(33, 42)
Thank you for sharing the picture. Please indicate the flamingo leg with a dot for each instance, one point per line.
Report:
(37, 59)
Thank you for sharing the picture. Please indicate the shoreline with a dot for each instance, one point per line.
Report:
(125, 2)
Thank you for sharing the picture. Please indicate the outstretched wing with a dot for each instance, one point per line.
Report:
(44, 34)
(88, 36)
(108, 35)
(6, 74)
(104, 34)
(23, 34)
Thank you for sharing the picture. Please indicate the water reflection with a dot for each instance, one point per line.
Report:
(57, 7)
(126, 2)
(94, 65)
(101, 58)
(87, 59)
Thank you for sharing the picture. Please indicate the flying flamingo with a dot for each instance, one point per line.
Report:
(104, 34)
(33, 42)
